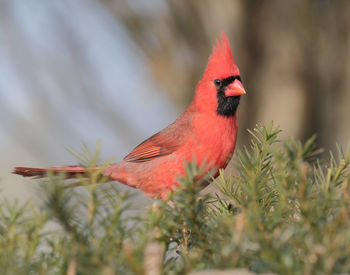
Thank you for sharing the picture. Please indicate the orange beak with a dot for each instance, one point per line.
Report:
(235, 89)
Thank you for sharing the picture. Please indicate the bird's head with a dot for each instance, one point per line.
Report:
(221, 86)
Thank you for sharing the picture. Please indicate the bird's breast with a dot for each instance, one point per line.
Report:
(214, 139)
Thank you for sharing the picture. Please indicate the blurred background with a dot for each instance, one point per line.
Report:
(120, 70)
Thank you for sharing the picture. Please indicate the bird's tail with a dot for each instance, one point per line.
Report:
(70, 171)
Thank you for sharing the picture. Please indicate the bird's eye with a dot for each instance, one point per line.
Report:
(217, 82)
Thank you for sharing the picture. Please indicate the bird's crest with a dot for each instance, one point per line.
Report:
(221, 62)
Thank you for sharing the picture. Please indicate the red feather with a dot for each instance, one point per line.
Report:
(156, 146)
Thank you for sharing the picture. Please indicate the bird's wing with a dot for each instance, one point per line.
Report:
(158, 145)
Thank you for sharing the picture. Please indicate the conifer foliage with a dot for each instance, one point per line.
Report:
(284, 211)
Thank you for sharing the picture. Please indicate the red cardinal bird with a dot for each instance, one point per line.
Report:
(207, 130)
